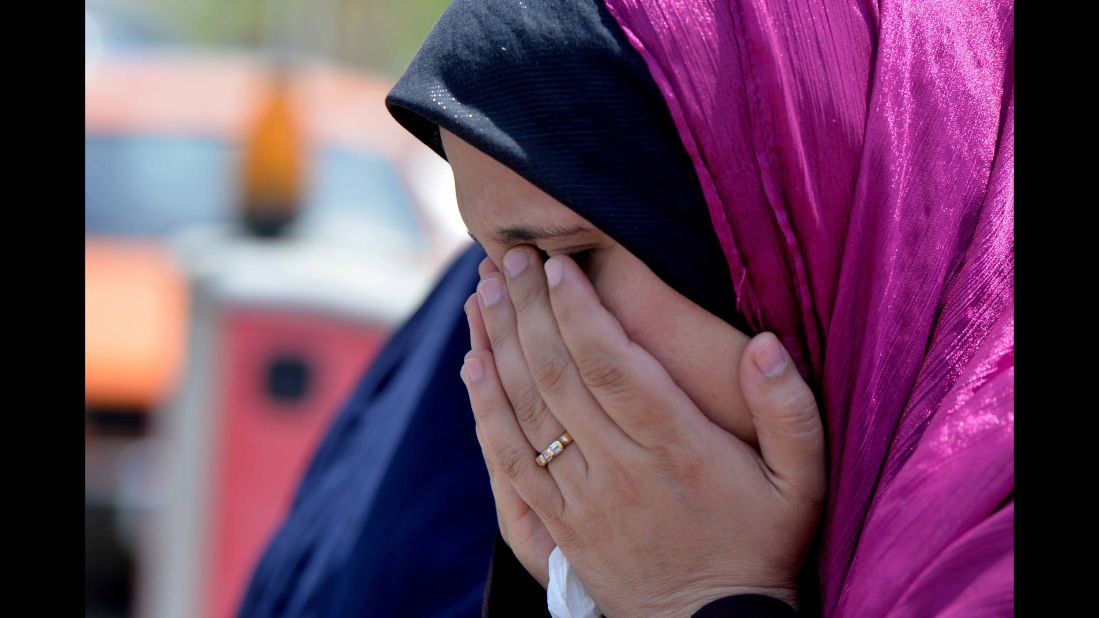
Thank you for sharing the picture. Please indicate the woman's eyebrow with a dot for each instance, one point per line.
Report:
(512, 235)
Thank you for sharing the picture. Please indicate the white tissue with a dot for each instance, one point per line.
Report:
(566, 596)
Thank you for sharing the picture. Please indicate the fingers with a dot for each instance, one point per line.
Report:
(508, 503)
(628, 382)
(547, 358)
(478, 337)
(506, 450)
(538, 425)
(784, 411)
(510, 508)
(520, 526)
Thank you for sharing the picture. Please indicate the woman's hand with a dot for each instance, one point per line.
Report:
(658, 509)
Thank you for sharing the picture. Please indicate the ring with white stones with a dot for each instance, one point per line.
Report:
(553, 450)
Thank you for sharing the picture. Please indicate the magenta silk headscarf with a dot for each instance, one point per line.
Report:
(858, 161)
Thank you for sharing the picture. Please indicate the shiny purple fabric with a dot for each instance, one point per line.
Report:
(858, 161)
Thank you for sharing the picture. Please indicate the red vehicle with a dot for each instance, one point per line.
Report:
(224, 355)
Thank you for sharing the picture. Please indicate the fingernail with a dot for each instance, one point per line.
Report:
(553, 272)
(475, 369)
(515, 261)
(490, 292)
(771, 360)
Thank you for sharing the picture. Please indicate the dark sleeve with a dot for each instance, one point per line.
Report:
(746, 606)
(510, 590)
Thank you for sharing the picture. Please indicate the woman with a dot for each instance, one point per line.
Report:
(856, 162)
(837, 173)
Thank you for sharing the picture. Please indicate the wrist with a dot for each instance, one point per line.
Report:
(539, 571)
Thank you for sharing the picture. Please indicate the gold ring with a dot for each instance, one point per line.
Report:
(553, 450)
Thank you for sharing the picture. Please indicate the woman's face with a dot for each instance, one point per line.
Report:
(699, 350)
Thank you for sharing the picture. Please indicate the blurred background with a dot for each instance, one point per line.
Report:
(255, 225)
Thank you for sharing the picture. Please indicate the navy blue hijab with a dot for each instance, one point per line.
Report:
(394, 516)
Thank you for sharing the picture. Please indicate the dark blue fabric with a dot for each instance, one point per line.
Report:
(394, 516)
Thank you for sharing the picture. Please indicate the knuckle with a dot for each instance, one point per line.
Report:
(549, 368)
(532, 413)
(623, 486)
(553, 512)
(522, 394)
(659, 435)
(488, 405)
(690, 464)
(800, 400)
(799, 412)
(602, 369)
(510, 461)
(498, 334)
(678, 462)
(524, 297)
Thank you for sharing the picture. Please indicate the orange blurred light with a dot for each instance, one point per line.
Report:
(274, 158)
(135, 320)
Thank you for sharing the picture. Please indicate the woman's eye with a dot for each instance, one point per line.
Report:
(582, 258)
